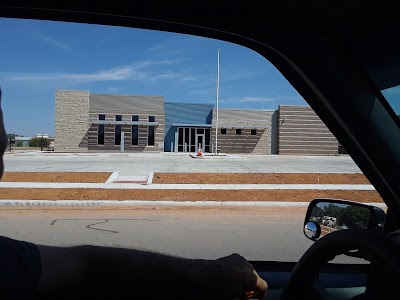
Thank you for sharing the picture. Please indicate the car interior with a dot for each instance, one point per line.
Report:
(341, 57)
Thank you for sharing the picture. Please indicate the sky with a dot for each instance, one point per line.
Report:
(40, 57)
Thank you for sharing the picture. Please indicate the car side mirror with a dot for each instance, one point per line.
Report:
(327, 215)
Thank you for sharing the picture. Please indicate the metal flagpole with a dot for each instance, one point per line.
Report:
(216, 123)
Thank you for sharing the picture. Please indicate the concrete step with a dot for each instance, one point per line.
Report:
(131, 179)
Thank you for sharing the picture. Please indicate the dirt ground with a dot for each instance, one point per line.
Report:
(69, 177)
(189, 195)
(185, 195)
(195, 178)
(261, 178)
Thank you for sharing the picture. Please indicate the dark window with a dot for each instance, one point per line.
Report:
(117, 134)
(254, 132)
(135, 134)
(150, 132)
(150, 136)
(238, 131)
(180, 136)
(223, 131)
(192, 137)
(100, 134)
(200, 131)
(100, 131)
(187, 140)
(135, 131)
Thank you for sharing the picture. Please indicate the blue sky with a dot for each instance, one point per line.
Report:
(39, 57)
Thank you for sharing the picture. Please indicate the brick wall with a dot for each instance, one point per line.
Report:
(72, 121)
(301, 132)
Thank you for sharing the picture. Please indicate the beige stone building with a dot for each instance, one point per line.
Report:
(246, 131)
(131, 123)
(98, 122)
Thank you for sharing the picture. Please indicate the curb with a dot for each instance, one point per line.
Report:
(133, 203)
(150, 178)
(117, 185)
(112, 177)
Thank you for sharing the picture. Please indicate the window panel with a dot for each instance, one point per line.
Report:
(100, 134)
(180, 136)
(117, 132)
(100, 131)
(150, 136)
(135, 134)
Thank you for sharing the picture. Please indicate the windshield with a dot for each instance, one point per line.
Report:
(392, 96)
(160, 141)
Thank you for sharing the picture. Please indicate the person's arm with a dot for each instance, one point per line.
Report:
(20, 269)
(115, 273)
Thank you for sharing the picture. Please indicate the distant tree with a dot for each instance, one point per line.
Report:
(317, 212)
(333, 210)
(19, 144)
(39, 142)
(355, 217)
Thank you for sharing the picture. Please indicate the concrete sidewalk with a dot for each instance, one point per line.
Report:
(52, 185)
(141, 164)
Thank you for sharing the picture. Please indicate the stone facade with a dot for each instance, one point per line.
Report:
(294, 130)
(76, 112)
(243, 142)
(263, 142)
(301, 132)
(109, 137)
(72, 121)
(126, 106)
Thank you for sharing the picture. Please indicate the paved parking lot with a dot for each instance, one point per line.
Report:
(138, 164)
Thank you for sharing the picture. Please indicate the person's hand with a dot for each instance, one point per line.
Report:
(237, 279)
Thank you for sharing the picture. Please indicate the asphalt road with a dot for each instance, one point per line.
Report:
(258, 234)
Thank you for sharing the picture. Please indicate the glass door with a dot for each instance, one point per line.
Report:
(200, 141)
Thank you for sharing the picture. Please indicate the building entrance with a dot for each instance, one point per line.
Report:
(190, 139)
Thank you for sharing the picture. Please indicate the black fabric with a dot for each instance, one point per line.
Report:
(20, 269)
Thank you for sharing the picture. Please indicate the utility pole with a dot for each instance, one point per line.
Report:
(216, 122)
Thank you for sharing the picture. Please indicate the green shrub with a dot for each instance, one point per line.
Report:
(39, 142)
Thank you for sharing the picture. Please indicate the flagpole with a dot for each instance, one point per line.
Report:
(216, 123)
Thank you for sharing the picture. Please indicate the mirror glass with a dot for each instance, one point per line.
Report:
(311, 230)
(332, 216)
